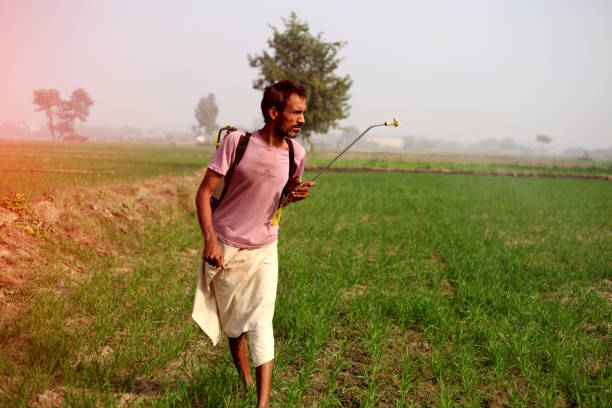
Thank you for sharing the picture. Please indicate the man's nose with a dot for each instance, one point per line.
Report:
(301, 118)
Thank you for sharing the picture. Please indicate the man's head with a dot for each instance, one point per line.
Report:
(284, 105)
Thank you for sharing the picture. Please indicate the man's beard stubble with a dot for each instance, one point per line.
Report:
(281, 134)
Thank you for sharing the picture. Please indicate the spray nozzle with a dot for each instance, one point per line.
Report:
(393, 122)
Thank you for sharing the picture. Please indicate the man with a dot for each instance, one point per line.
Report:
(236, 287)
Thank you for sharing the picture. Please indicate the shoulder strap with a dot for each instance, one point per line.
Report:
(291, 170)
(240, 149)
(291, 157)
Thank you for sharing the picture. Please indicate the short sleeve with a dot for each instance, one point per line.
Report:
(224, 156)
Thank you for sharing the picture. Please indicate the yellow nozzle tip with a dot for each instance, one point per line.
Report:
(393, 122)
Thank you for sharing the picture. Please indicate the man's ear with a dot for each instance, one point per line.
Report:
(273, 113)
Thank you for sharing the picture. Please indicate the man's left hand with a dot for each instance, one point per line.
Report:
(301, 191)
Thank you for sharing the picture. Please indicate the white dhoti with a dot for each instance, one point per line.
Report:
(240, 298)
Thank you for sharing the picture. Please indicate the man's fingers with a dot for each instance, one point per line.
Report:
(216, 263)
(305, 186)
(220, 262)
(301, 191)
(214, 260)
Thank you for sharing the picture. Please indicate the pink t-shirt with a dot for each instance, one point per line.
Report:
(243, 218)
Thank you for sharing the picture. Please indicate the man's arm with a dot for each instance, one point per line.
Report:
(212, 251)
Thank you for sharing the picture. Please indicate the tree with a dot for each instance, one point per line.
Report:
(206, 112)
(62, 114)
(75, 108)
(543, 139)
(308, 60)
(48, 100)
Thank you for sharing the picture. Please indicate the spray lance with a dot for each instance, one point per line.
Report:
(285, 198)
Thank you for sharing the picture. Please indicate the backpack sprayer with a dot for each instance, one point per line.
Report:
(285, 199)
(219, 136)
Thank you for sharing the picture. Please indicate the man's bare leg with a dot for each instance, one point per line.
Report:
(263, 373)
(240, 355)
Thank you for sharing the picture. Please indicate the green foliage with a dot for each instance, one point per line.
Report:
(310, 61)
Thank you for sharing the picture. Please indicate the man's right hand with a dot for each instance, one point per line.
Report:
(213, 254)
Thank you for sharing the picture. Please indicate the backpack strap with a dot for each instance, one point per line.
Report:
(291, 170)
(243, 142)
(291, 157)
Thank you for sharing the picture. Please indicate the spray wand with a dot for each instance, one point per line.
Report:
(285, 199)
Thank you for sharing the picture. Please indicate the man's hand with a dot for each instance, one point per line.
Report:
(213, 254)
(301, 189)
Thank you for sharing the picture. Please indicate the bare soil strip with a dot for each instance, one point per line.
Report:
(458, 171)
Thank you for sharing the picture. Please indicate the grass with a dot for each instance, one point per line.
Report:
(505, 281)
(395, 290)
(42, 168)
(39, 168)
(476, 164)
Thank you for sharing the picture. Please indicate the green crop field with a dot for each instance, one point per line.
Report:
(38, 167)
(472, 164)
(396, 289)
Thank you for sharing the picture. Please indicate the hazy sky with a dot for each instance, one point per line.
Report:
(451, 70)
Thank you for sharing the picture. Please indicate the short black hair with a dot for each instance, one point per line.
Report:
(278, 94)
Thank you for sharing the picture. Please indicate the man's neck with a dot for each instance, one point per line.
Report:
(269, 136)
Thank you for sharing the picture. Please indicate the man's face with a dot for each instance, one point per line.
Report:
(290, 121)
